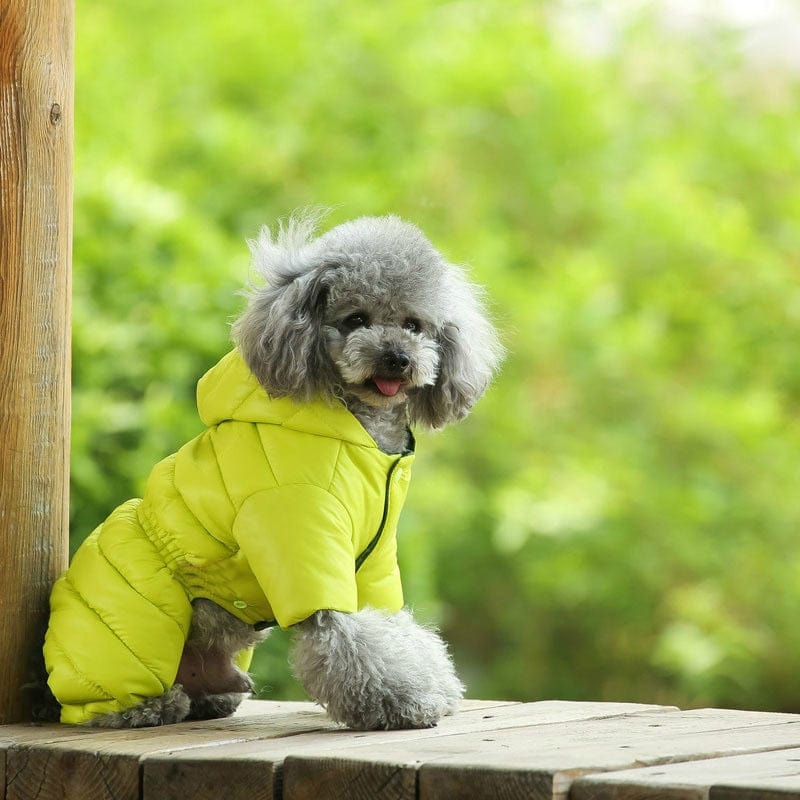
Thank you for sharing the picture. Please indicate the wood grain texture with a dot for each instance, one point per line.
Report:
(407, 756)
(341, 779)
(480, 784)
(74, 763)
(59, 774)
(562, 750)
(772, 790)
(205, 769)
(776, 771)
(209, 766)
(480, 717)
(169, 779)
(502, 751)
(36, 100)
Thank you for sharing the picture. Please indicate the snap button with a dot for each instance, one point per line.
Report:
(239, 604)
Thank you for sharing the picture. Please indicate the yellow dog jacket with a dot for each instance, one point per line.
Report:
(275, 511)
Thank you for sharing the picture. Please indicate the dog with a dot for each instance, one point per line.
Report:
(284, 511)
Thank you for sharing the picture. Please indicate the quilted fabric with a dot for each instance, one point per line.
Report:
(275, 511)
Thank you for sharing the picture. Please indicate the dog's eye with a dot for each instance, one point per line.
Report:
(359, 319)
(413, 325)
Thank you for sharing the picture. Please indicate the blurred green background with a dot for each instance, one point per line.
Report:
(618, 519)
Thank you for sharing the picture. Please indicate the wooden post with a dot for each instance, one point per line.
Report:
(36, 102)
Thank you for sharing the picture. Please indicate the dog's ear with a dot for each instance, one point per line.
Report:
(280, 333)
(469, 353)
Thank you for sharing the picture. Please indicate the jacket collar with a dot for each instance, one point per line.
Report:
(229, 391)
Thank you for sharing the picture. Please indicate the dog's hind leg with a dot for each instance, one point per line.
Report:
(209, 684)
(214, 683)
(172, 706)
(208, 671)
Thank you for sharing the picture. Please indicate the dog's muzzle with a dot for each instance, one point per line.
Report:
(392, 368)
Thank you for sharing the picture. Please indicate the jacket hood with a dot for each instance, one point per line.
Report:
(229, 391)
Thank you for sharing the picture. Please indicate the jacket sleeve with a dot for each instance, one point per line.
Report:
(378, 577)
(298, 541)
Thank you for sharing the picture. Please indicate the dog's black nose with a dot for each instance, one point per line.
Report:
(395, 361)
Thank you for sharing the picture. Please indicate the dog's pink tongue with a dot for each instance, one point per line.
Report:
(387, 386)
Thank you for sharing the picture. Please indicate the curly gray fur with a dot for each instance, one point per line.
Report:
(172, 706)
(369, 314)
(372, 671)
(293, 333)
(214, 628)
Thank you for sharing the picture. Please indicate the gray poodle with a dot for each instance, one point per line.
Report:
(368, 326)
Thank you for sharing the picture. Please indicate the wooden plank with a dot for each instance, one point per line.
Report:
(267, 708)
(779, 788)
(29, 736)
(541, 761)
(293, 751)
(94, 764)
(247, 769)
(208, 767)
(11, 735)
(505, 784)
(178, 779)
(106, 761)
(279, 710)
(775, 793)
(306, 715)
(751, 776)
(475, 717)
(256, 708)
(40, 774)
(347, 780)
(599, 747)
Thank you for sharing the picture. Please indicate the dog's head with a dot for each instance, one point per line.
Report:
(370, 309)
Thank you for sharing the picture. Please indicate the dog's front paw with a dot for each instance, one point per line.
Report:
(373, 671)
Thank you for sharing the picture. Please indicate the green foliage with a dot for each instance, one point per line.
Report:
(618, 518)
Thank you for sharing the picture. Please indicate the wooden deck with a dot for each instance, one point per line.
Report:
(502, 751)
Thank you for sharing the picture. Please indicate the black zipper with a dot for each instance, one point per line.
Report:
(363, 555)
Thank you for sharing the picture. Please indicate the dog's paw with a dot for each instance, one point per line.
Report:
(215, 706)
(172, 706)
(373, 671)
